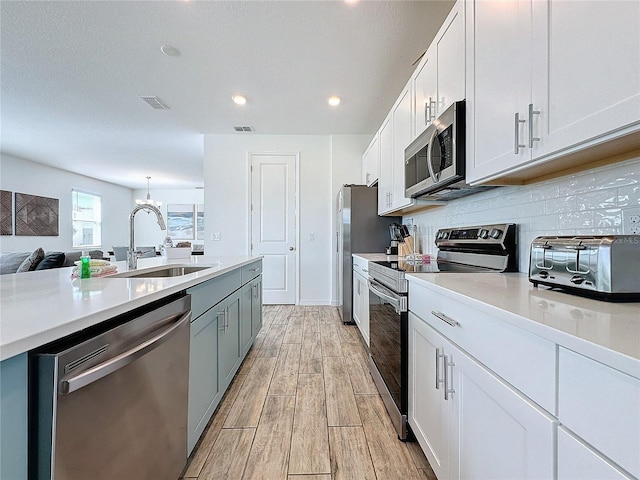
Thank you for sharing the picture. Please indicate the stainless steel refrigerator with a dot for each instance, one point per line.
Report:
(359, 230)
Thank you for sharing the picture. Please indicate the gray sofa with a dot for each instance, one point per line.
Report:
(18, 262)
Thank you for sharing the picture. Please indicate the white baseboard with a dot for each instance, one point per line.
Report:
(312, 303)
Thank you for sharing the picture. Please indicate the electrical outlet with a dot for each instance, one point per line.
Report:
(215, 236)
(631, 221)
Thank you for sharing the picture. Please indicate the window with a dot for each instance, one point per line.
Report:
(87, 219)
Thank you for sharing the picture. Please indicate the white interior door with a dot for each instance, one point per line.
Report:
(273, 224)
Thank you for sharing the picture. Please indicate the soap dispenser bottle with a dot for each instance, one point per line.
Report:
(85, 265)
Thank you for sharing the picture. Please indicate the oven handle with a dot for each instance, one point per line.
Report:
(399, 302)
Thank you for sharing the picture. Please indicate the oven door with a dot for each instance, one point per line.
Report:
(388, 323)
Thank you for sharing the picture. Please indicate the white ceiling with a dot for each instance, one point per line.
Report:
(72, 73)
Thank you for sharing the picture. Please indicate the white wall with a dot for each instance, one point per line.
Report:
(587, 203)
(147, 231)
(23, 176)
(346, 154)
(226, 201)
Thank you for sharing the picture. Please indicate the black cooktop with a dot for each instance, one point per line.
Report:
(408, 266)
(402, 265)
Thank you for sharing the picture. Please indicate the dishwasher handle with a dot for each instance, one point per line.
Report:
(103, 369)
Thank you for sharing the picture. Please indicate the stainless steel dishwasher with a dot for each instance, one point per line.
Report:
(112, 404)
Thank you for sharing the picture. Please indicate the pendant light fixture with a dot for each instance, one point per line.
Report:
(148, 200)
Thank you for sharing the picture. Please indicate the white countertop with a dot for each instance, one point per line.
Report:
(39, 307)
(376, 257)
(605, 331)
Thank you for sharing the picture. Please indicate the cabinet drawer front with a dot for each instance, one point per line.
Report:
(602, 406)
(524, 360)
(208, 293)
(251, 271)
(361, 266)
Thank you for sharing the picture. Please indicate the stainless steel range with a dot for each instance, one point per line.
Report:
(486, 248)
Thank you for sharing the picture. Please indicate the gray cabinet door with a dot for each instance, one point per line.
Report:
(228, 338)
(256, 306)
(246, 305)
(203, 372)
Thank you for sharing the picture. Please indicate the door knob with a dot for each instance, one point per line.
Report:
(292, 248)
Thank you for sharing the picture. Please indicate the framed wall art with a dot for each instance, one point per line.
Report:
(36, 216)
(181, 221)
(6, 212)
(199, 221)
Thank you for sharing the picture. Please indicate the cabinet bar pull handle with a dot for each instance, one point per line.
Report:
(448, 364)
(439, 355)
(432, 109)
(517, 145)
(532, 112)
(445, 319)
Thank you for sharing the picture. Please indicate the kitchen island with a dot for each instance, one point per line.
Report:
(41, 307)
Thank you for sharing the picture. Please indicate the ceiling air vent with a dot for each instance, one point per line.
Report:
(155, 103)
(243, 129)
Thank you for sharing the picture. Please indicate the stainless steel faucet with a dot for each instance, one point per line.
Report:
(132, 254)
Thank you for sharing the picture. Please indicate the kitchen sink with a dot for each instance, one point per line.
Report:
(159, 272)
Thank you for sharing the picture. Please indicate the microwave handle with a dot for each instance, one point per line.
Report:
(434, 177)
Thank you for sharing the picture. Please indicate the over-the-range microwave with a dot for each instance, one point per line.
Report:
(435, 161)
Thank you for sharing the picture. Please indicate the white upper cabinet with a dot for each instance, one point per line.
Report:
(425, 85)
(385, 182)
(586, 71)
(546, 78)
(501, 67)
(439, 79)
(402, 129)
(371, 163)
(395, 136)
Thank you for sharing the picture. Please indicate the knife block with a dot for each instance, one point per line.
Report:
(406, 248)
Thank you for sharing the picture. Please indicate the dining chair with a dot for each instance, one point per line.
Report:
(120, 253)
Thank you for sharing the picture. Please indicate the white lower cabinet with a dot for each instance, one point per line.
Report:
(469, 422)
(579, 461)
(361, 296)
(429, 412)
(601, 405)
(498, 432)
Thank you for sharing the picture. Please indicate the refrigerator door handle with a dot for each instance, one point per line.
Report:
(337, 242)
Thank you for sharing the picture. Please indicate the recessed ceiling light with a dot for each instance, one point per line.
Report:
(170, 51)
(334, 101)
(239, 99)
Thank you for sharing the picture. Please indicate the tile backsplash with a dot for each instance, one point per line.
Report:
(585, 203)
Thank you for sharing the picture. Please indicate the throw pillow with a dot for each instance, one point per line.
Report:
(32, 261)
(51, 260)
(10, 261)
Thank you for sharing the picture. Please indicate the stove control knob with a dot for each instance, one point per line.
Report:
(444, 235)
(577, 280)
(495, 233)
(483, 233)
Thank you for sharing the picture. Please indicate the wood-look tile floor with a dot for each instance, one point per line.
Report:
(304, 407)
